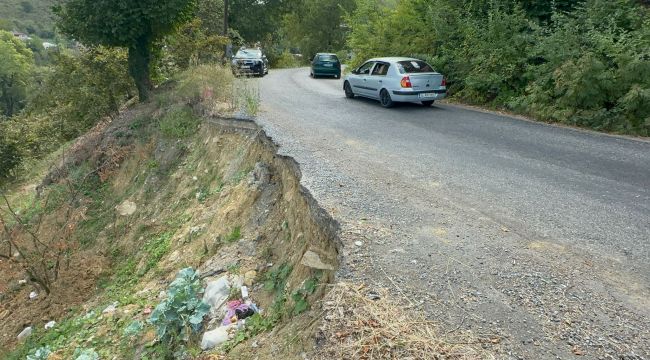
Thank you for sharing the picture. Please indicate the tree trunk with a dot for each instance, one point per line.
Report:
(139, 60)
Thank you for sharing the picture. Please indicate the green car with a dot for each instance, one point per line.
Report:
(325, 65)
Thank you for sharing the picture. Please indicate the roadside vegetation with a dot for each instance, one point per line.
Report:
(583, 63)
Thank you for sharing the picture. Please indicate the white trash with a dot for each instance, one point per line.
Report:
(214, 338)
(25, 333)
(50, 325)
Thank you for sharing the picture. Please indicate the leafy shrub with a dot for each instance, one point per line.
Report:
(181, 314)
(42, 353)
(85, 354)
(582, 63)
(287, 60)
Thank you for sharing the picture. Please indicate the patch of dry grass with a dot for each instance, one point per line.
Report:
(357, 327)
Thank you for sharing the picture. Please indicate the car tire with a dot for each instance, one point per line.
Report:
(428, 103)
(348, 90)
(384, 98)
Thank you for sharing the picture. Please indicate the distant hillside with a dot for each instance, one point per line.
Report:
(30, 16)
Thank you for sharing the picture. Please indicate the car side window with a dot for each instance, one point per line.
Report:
(365, 68)
(381, 69)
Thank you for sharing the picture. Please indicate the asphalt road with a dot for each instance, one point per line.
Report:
(535, 235)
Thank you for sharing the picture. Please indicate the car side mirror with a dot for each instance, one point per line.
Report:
(355, 71)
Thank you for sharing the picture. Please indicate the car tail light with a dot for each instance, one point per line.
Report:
(406, 82)
(444, 82)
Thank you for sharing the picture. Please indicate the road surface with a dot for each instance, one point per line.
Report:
(537, 235)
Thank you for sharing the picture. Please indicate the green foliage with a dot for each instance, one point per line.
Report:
(16, 62)
(178, 123)
(33, 17)
(85, 354)
(234, 235)
(10, 153)
(583, 63)
(192, 45)
(276, 279)
(41, 353)
(287, 60)
(155, 249)
(134, 25)
(315, 25)
(133, 329)
(299, 297)
(247, 97)
(181, 314)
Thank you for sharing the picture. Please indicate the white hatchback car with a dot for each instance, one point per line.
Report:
(396, 79)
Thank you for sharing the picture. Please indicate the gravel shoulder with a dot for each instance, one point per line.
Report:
(534, 233)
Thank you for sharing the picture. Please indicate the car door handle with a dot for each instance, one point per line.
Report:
(380, 80)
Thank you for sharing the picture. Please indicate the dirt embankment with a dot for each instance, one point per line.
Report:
(162, 196)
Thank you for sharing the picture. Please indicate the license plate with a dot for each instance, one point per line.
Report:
(328, 65)
(426, 95)
(245, 67)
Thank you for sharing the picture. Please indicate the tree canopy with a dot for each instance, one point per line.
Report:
(133, 24)
(16, 62)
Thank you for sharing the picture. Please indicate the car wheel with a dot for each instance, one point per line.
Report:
(311, 74)
(428, 103)
(348, 90)
(385, 99)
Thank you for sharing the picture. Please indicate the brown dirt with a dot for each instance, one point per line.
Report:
(70, 291)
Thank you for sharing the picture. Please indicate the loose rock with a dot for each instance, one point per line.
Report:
(312, 260)
(126, 208)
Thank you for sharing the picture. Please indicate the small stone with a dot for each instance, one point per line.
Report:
(33, 295)
(194, 178)
(22, 282)
(313, 260)
(249, 277)
(358, 243)
(126, 208)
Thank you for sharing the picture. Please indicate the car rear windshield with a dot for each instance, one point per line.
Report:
(249, 54)
(413, 66)
(328, 58)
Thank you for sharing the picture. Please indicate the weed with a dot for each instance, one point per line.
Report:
(156, 249)
(179, 123)
(139, 122)
(247, 97)
(152, 164)
(276, 280)
(233, 269)
(299, 297)
(234, 235)
(182, 312)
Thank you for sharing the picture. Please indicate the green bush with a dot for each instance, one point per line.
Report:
(181, 314)
(287, 60)
(580, 63)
